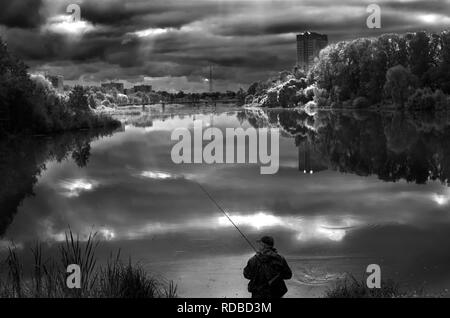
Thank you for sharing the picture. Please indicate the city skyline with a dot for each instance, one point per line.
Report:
(172, 44)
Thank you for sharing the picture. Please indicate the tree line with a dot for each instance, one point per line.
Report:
(410, 70)
(29, 103)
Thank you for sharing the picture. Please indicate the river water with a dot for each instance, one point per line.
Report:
(353, 189)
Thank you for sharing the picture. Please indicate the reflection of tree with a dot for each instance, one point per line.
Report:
(81, 154)
(391, 146)
(23, 160)
(241, 116)
(394, 146)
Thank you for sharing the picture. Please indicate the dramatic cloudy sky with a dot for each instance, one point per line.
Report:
(170, 43)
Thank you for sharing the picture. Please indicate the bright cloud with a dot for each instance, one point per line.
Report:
(73, 188)
(158, 175)
(64, 24)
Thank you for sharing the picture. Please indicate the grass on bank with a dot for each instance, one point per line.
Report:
(47, 279)
(350, 287)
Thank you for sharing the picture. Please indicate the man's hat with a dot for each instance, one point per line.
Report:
(268, 240)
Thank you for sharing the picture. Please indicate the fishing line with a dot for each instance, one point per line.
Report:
(225, 213)
(243, 235)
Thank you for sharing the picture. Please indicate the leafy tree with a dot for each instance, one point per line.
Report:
(81, 154)
(359, 68)
(78, 100)
(420, 59)
(252, 89)
(399, 82)
(92, 103)
(16, 90)
(442, 74)
(180, 94)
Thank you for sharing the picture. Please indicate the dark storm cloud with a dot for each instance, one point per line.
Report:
(245, 40)
(419, 6)
(354, 25)
(147, 13)
(21, 13)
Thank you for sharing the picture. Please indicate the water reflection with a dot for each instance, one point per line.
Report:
(24, 159)
(394, 146)
(330, 221)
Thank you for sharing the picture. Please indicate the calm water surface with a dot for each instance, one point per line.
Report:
(352, 189)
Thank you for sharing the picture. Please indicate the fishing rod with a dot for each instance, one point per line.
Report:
(228, 217)
(243, 235)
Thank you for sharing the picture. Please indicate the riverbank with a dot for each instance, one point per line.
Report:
(59, 279)
(31, 105)
(399, 71)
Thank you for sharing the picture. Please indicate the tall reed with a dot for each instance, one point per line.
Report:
(47, 278)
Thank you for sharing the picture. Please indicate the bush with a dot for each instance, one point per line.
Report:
(350, 287)
(285, 91)
(118, 280)
(92, 102)
(271, 99)
(320, 96)
(442, 101)
(287, 95)
(309, 92)
(249, 99)
(399, 83)
(48, 279)
(426, 99)
(361, 102)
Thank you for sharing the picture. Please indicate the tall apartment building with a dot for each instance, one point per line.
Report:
(309, 45)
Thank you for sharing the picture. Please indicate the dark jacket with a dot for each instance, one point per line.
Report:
(267, 271)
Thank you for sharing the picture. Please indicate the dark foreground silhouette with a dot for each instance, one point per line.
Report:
(267, 271)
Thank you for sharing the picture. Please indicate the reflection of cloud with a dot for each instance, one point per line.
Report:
(258, 221)
(315, 231)
(158, 175)
(106, 234)
(151, 32)
(52, 235)
(433, 18)
(441, 199)
(306, 230)
(158, 228)
(75, 187)
(317, 228)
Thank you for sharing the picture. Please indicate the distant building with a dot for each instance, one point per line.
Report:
(113, 85)
(57, 81)
(309, 45)
(142, 88)
(128, 91)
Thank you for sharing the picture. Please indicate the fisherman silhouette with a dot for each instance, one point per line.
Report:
(267, 271)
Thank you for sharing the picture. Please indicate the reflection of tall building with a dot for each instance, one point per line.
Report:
(309, 45)
(309, 160)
